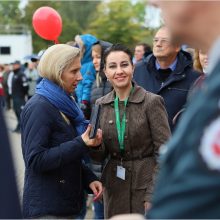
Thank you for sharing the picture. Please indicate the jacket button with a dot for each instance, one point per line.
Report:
(128, 153)
(110, 122)
(114, 154)
(126, 120)
(126, 137)
(62, 181)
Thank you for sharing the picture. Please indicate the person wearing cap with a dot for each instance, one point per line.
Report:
(19, 91)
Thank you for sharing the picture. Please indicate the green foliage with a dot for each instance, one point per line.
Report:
(9, 12)
(120, 22)
(113, 21)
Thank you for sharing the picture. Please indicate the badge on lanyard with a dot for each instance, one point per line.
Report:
(121, 127)
(120, 172)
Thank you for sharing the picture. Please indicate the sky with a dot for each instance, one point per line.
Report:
(153, 17)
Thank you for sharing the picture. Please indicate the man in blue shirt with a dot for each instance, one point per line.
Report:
(167, 72)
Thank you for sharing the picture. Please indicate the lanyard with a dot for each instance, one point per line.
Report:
(120, 125)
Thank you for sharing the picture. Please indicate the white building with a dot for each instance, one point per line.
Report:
(15, 43)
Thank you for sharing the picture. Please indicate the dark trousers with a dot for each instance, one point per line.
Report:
(18, 104)
(98, 210)
(2, 103)
(8, 101)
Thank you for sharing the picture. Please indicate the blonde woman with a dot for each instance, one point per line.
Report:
(55, 137)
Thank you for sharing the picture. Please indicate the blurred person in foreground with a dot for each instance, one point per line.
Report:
(189, 180)
(55, 138)
(9, 200)
(135, 125)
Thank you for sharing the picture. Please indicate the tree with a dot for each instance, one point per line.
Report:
(120, 22)
(10, 13)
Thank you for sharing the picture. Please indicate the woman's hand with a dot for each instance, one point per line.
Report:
(147, 206)
(97, 189)
(92, 142)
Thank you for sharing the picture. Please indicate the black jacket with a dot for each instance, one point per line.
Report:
(19, 84)
(55, 176)
(175, 89)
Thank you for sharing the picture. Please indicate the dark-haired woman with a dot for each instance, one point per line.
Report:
(134, 124)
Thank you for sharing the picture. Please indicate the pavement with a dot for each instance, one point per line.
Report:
(15, 142)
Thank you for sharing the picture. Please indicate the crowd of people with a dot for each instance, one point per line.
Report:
(143, 103)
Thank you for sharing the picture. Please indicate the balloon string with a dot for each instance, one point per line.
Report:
(56, 41)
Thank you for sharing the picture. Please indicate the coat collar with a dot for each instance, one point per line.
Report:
(184, 61)
(137, 96)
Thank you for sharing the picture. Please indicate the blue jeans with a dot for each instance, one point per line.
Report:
(98, 210)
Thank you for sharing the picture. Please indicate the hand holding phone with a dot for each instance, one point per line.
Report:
(94, 121)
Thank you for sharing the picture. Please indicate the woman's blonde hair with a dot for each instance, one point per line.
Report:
(196, 63)
(55, 60)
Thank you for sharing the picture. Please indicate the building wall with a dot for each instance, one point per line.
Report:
(20, 46)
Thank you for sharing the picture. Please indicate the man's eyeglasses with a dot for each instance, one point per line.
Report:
(161, 40)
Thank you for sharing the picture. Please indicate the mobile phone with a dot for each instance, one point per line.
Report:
(94, 121)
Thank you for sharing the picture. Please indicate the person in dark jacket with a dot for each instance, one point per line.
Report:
(167, 72)
(19, 91)
(6, 72)
(189, 179)
(55, 138)
(101, 87)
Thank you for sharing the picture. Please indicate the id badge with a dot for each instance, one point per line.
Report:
(120, 172)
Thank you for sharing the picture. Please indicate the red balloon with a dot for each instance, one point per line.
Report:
(47, 23)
